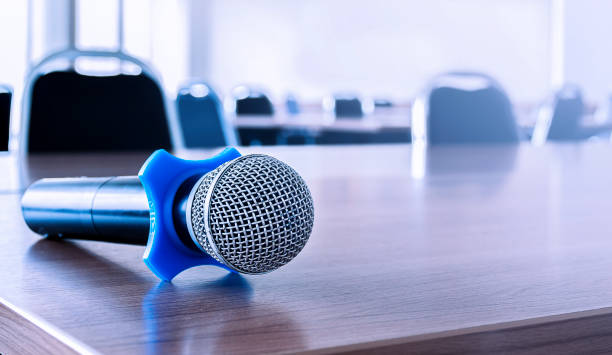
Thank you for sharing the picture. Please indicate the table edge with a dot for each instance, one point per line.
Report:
(460, 340)
(32, 329)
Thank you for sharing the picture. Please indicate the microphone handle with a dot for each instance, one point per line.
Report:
(111, 209)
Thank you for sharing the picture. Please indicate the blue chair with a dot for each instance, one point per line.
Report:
(67, 109)
(464, 107)
(292, 105)
(6, 95)
(201, 117)
(560, 119)
(252, 102)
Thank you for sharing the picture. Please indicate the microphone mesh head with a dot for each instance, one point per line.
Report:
(252, 214)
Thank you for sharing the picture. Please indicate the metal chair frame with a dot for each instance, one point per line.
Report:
(49, 64)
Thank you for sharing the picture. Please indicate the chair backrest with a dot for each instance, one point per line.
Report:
(292, 105)
(464, 107)
(6, 95)
(65, 110)
(201, 117)
(559, 118)
(383, 103)
(348, 107)
(344, 105)
(250, 101)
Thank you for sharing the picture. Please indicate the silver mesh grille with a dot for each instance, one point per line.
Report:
(253, 214)
(198, 211)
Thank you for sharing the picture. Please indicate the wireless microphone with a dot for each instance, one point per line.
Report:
(250, 214)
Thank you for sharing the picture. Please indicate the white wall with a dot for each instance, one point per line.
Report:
(13, 50)
(588, 47)
(155, 31)
(315, 47)
(377, 47)
(13, 41)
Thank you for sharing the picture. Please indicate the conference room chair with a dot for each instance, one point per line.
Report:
(295, 136)
(381, 103)
(201, 117)
(6, 96)
(560, 118)
(69, 107)
(344, 106)
(463, 107)
(292, 105)
(251, 101)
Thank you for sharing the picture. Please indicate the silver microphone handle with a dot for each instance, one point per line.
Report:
(113, 209)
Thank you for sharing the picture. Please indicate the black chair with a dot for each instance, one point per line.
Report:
(560, 119)
(383, 103)
(66, 110)
(201, 117)
(345, 106)
(464, 107)
(250, 101)
(6, 95)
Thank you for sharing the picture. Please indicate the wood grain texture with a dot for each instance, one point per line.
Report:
(577, 333)
(19, 335)
(407, 246)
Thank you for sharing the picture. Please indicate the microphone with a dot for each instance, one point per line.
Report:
(249, 214)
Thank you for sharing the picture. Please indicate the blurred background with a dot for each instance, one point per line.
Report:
(310, 72)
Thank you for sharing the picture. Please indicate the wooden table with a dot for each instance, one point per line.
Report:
(447, 249)
(325, 122)
(388, 126)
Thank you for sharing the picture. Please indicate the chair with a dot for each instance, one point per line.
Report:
(201, 117)
(6, 95)
(383, 103)
(247, 101)
(250, 101)
(68, 109)
(560, 118)
(295, 135)
(344, 106)
(464, 107)
(292, 105)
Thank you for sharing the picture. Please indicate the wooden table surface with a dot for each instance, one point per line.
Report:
(447, 249)
(326, 122)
